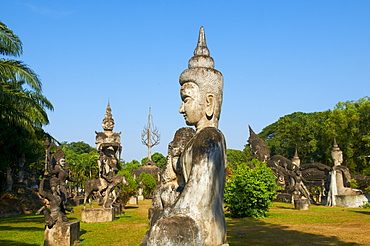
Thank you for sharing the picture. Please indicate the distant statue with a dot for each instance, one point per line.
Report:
(258, 147)
(197, 216)
(150, 136)
(339, 177)
(108, 145)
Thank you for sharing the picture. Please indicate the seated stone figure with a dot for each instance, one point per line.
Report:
(172, 181)
(339, 177)
(197, 216)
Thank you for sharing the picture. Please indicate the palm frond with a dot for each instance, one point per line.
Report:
(10, 44)
(16, 71)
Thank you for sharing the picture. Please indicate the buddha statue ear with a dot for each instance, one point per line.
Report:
(210, 106)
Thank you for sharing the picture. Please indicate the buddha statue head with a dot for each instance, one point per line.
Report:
(336, 154)
(201, 88)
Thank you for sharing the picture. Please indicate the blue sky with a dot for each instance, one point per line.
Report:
(277, 57)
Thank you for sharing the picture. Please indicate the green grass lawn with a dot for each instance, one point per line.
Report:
(285, 226)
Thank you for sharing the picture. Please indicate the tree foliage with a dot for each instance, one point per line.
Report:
(82, 161)
(129, 190)
(22, 107)
(249, 190)
(148, 184)
(159, 160)
(313, 133)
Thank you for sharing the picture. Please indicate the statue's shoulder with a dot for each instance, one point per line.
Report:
(209, 136)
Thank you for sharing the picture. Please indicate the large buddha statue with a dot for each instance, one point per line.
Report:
(197, 217)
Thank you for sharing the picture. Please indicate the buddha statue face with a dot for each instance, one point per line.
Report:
(337, 157)
(192, 106)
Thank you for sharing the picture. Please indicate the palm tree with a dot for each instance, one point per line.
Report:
(22, 105)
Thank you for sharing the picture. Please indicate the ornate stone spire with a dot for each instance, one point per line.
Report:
(108, 122)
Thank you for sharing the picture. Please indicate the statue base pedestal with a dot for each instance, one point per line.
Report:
(351, 201)
(140, 197)
(118, 209)
(62, 234)
(97, 215)
(133, 200)
(302, 204)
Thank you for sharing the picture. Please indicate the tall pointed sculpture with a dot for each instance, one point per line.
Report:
(196, 217)
(150, 136)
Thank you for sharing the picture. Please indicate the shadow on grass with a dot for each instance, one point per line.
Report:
(361, 212)
(256, 232)
(284, 207)
(23, 218)
(9, 242)
(130, 207)
(12, 228)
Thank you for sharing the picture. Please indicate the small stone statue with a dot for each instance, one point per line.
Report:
(57, 210)
(197, 215)
(56, 176)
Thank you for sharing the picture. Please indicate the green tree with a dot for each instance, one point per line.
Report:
(302, 131)
(148, 184)
(129, 166)
(82, 160)
(22, 106)
(159, 160)
(78, 147)
(235, 158)
(249, 190)
(349, 122)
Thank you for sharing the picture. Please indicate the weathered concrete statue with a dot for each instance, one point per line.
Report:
(108, 144)
(258, 147)
(197, 216)
(55, 192)
(172, 181)
(339, 178)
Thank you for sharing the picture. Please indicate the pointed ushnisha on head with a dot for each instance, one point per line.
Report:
(108, 122)
(201, 56)
(336, 154)
(201, 72)
(296, 159)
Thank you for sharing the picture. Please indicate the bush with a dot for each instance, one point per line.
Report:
(367, 190)
(249, 191)
(366, 205)
(129, 190)
(354, 184)
(148, 184)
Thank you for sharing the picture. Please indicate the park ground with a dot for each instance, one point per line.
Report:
(286, 226)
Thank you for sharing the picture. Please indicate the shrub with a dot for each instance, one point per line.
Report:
(249, 191)
(366, 205)
(129, 190)
(367, 190)
(354, 184)
(148, 183)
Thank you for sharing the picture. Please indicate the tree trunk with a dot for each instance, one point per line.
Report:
(9, 179)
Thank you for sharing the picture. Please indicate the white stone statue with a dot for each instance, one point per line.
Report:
(339, 178)
(197, 216)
